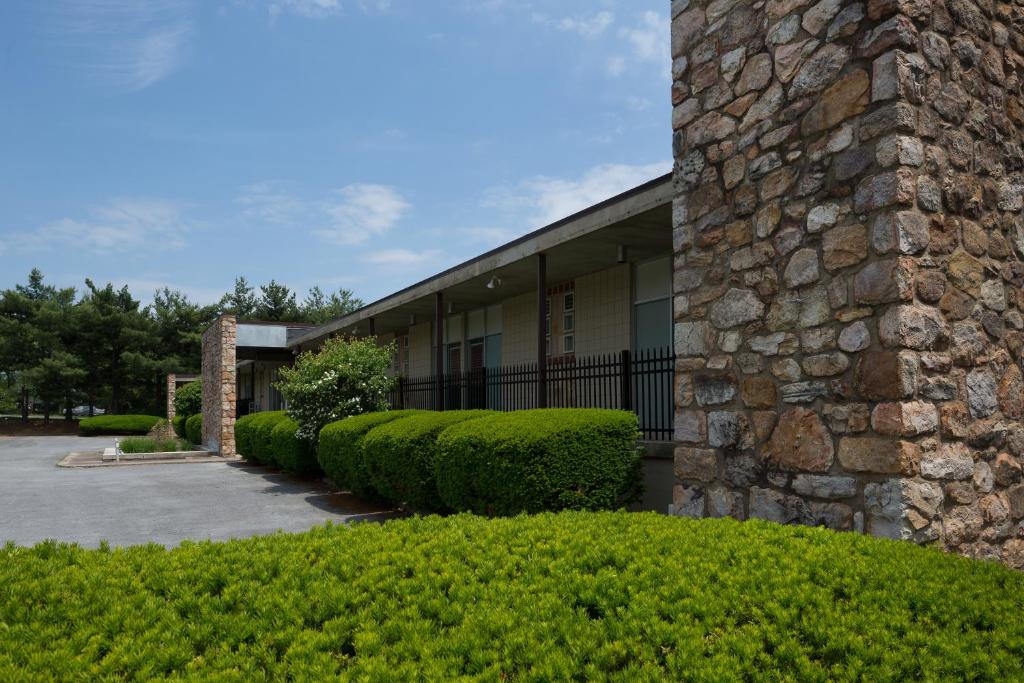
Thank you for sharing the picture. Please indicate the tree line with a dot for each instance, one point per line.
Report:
(61, 347)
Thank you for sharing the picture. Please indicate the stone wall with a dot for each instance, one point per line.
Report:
(172, 388)
(219, 385)
(847, 281)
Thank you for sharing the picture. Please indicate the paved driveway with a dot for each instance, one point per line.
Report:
(161, 503)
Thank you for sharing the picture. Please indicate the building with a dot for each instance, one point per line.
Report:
(576, 314)
(840, 254)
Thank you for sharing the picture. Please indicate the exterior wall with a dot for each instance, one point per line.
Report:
(519, 329)
(421, 342)
(172, 387)
(603, 320)
(219, 385)
(847, 283)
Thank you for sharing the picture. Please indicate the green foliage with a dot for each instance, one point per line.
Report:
(178, 424)
(150, 445)
(241, 301)
(320, 308)
(291, 453)
(276, 302)
(341, 454)
(534, 460)
(188, 400)
(194, 429)
(345, 377)
(117, 424)
(252, 436)
(399, 456)
(570, 596)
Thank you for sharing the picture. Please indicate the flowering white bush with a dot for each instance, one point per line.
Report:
(345, 377)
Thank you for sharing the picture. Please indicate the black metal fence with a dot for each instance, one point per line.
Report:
(641, 382)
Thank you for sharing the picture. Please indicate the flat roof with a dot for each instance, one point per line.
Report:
(640, 213)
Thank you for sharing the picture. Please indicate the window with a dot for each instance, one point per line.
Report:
(569, 312)
(569, 343)
(547, 325)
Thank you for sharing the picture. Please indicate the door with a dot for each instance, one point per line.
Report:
(453, 393)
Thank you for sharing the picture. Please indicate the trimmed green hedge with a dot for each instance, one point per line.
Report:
(188, 400)
(178, 423)
(117, 424)
(291, 453)
(194, 429)
(399, 456)
(552, 597)
(535, 460)
(340, 452)
(252, 436)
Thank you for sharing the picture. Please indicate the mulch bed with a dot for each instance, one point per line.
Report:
(13, 426)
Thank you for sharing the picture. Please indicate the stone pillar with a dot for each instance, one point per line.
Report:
(172, 388)
(848, 240)
(219, 385)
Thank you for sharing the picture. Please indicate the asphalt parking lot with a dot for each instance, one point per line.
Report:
(159, 503)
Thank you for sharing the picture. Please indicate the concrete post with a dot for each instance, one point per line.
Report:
(848, 240)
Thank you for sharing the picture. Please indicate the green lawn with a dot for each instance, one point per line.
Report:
(583, 596)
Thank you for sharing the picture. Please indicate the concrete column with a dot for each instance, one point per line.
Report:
(848, 276)
(172, 387)
(219, 385)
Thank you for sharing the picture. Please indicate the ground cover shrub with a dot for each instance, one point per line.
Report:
(194, 429)
(178, 424)
(534, 460)
(115, 425)
(344, 377)
(340, 451)
(188, 400)
(289, 452)
(399, 456)
(147, 444)
(569, 596)
(252, 435)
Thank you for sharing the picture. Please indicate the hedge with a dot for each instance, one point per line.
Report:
(289, 452)
(570, 596)
(535, 460)
(252, 435)
(178, 423)
(399, 456)
(188, 400)
(340, 452)
(194, 429)
(117, 425)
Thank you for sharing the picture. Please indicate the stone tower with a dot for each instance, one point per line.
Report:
(848, 266)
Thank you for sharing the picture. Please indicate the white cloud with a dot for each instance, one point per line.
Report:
(126, 43)
(587, 27)
(121, 225)
(647, 42)
(404, 257)
(315, 9)
(351, 215)
(544, 200)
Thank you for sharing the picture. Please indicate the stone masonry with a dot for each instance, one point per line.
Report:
(849, 282)
(219, 385)
(172, 389)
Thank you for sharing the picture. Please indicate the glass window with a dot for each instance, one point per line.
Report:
(569, 303)
(569, 322)
(569, 344)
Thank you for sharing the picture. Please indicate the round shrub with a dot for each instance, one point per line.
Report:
(399, 456)
(188, 400)
(252, 439)
(114, 425)
(340, 452)
(535, 460)
(291, 453)
(178, 423)
(194, 429)
(344, 377)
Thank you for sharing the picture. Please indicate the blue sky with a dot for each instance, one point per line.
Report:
(356, 143)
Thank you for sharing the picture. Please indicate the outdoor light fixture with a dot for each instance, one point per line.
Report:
(451, 308)
(621, 257)
(412, 319)
(494, 282)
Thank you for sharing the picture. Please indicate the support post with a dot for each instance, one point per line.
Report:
(626, 373)
(439, 350)
(542, 356)
(372, 326)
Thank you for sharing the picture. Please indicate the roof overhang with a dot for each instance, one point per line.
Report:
(637, 223)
